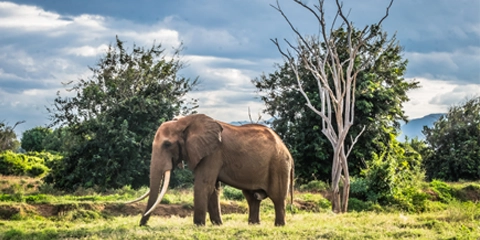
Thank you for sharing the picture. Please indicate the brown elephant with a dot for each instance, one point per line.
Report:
(251, 157)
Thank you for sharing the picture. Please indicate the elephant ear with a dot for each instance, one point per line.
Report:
(203, 136)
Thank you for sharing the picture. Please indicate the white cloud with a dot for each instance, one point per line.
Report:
(29, 18)
(436, 96)
(92, 22)
(87, 51)
(166, 37)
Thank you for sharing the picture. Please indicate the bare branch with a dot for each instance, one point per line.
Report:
(354, 141)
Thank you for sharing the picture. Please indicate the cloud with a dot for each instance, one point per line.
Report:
(87, 51)
(436, 96)
(456, 95)
(28, 18)
(460, 65)
(227, 43)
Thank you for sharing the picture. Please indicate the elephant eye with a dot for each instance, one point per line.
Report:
(167, 144)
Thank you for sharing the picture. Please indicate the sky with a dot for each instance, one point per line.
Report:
(226, 44)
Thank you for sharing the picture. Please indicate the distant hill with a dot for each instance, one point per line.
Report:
(415, 126)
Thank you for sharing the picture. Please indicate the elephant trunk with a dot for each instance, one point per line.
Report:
(154, 198)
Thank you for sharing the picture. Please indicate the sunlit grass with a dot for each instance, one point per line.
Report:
(82, 215)
(364, 225)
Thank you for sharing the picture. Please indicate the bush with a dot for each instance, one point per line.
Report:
(443, 191)
(181, 178)
(358, 205)
(359, 189)
(314, 186)
(32, 164)
(393, 177)
(231, 193)
(13, 164)
(37, 170)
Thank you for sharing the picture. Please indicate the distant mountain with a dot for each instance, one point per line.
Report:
(414, 127)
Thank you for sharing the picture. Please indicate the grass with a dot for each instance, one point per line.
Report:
(364, 225)
(82, 215)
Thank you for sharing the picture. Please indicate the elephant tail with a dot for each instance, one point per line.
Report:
(292, 177)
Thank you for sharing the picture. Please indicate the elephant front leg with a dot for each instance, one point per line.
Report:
(214, 206)
(200, 202)
(253, 207)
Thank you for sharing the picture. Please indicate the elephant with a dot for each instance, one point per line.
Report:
(250, 157)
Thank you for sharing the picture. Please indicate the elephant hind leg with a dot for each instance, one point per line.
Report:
(253, 206)
(279, 211)
(214, 206)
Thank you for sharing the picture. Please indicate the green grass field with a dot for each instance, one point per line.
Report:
(26, 213)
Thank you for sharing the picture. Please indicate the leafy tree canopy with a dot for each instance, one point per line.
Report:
(113, 116)
(454, 140)
(380, 92)
(32, 139)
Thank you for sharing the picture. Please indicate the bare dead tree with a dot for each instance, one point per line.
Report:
(336, 79)
(250, 117)
(7, 135)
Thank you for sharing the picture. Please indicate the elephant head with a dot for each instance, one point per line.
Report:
(189, 138)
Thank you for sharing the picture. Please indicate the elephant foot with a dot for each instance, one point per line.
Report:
(218, 223)
(256, 222)
(279, 223)
(144, 220)
(199, 222)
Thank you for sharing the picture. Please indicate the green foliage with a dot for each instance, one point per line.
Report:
(110, 123)
(443, 191)
(454, 140)
(182, 178)
(380, 92)
(393, 177)
(314, 186)
(232, 193)
(32, 139)
(62, 139)
(8, 138)
(359, 205)
(32, 164)
(20, 164)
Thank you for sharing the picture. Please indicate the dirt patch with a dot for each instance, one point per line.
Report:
(120, 209)
(432, 195)
(469, 193)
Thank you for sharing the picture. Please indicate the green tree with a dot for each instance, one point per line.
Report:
(380, 92)
(455, 142)
(114, 115)
(8, 138)
(32, 139)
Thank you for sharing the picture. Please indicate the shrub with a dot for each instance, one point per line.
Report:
(314, 186)
(443, 190)
(12, 163)
(231, 193)
(37, 170)
(393, 177)
(32, 164)
(181, 178)
(358, 205)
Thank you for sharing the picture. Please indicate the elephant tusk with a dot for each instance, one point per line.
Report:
(166, 181)
(140, 198)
